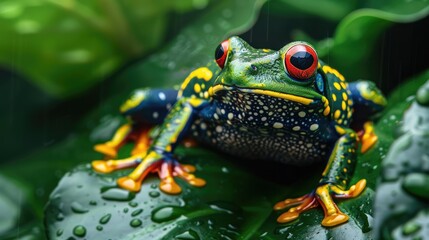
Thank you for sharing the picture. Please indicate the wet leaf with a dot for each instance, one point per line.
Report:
(401, 202)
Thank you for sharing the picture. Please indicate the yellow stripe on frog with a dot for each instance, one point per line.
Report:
(200, 73)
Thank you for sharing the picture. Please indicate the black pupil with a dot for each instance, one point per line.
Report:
(302, 60)
(219, 52)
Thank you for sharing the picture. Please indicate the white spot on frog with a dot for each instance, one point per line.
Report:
(314, 127)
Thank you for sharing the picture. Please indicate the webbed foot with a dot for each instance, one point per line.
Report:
(323, 195)
(166, 167)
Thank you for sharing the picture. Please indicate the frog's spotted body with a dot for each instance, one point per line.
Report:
(255, 126)
(281, 105)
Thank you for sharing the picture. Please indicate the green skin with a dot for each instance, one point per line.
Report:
(214, 106)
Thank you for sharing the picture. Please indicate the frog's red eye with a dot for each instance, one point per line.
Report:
(221, 53)
(301, 61)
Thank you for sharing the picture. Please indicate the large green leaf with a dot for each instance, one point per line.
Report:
(67, 46)
(236, 203)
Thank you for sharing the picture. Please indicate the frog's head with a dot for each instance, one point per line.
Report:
(289, 74)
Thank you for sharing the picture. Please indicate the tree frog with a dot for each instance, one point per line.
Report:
(284, 105)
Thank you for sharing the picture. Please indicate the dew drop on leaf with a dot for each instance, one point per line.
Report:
(79, 231)
(117, 194)
(188, 235)
(78, 208)
(154, 194)
(166, 213)
(59, 232)
(136, 212)
(105, 219)
(135, 223)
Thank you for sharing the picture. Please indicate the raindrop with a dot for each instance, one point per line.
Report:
(105, 219)
(59, 232)
(133, 204)
(60, 216)
(79, 231)
(125, 210)
(135, 223)
(188, 235)
(78, 208)
(166, 213)
(99, 228)
(93, 203)
(154, 194)
(153, 186)
(136, 212)
(411, 228)
(117, 194)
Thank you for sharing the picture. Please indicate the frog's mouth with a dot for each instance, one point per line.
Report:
(303, 100)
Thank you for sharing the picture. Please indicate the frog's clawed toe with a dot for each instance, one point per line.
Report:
(323, 195)
(167, 170)
(106, 149)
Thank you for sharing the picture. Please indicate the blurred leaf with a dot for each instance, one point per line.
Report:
(67, 46)
(357, 34)
(328, 9)
(402, 200)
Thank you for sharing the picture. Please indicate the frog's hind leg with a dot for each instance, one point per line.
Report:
(144, 109)
(332, 185)
(367, 100)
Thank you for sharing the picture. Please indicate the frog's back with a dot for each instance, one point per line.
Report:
(340, 97)
(199, 81)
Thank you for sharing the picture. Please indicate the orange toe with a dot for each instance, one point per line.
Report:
(129, 184)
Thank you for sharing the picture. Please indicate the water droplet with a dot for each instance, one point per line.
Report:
(188, 235)
(368, 224)
(410, 228)
(153, 186)
(105, 219)
(136, 212)
(116, 194)
(93, 203)
(135, 223)
(78, 208)
(79, 231)
(154, 194)
(59, 232)
(166, 213)
(133, 204)
(225, 170)
(60, 216)
(125, 210)
(99, 228)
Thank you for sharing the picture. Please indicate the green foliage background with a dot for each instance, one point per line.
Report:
(67, 65)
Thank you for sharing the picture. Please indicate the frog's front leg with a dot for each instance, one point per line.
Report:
(333, 183)
(159, 158)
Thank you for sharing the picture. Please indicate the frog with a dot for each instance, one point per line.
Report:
(282, 105)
